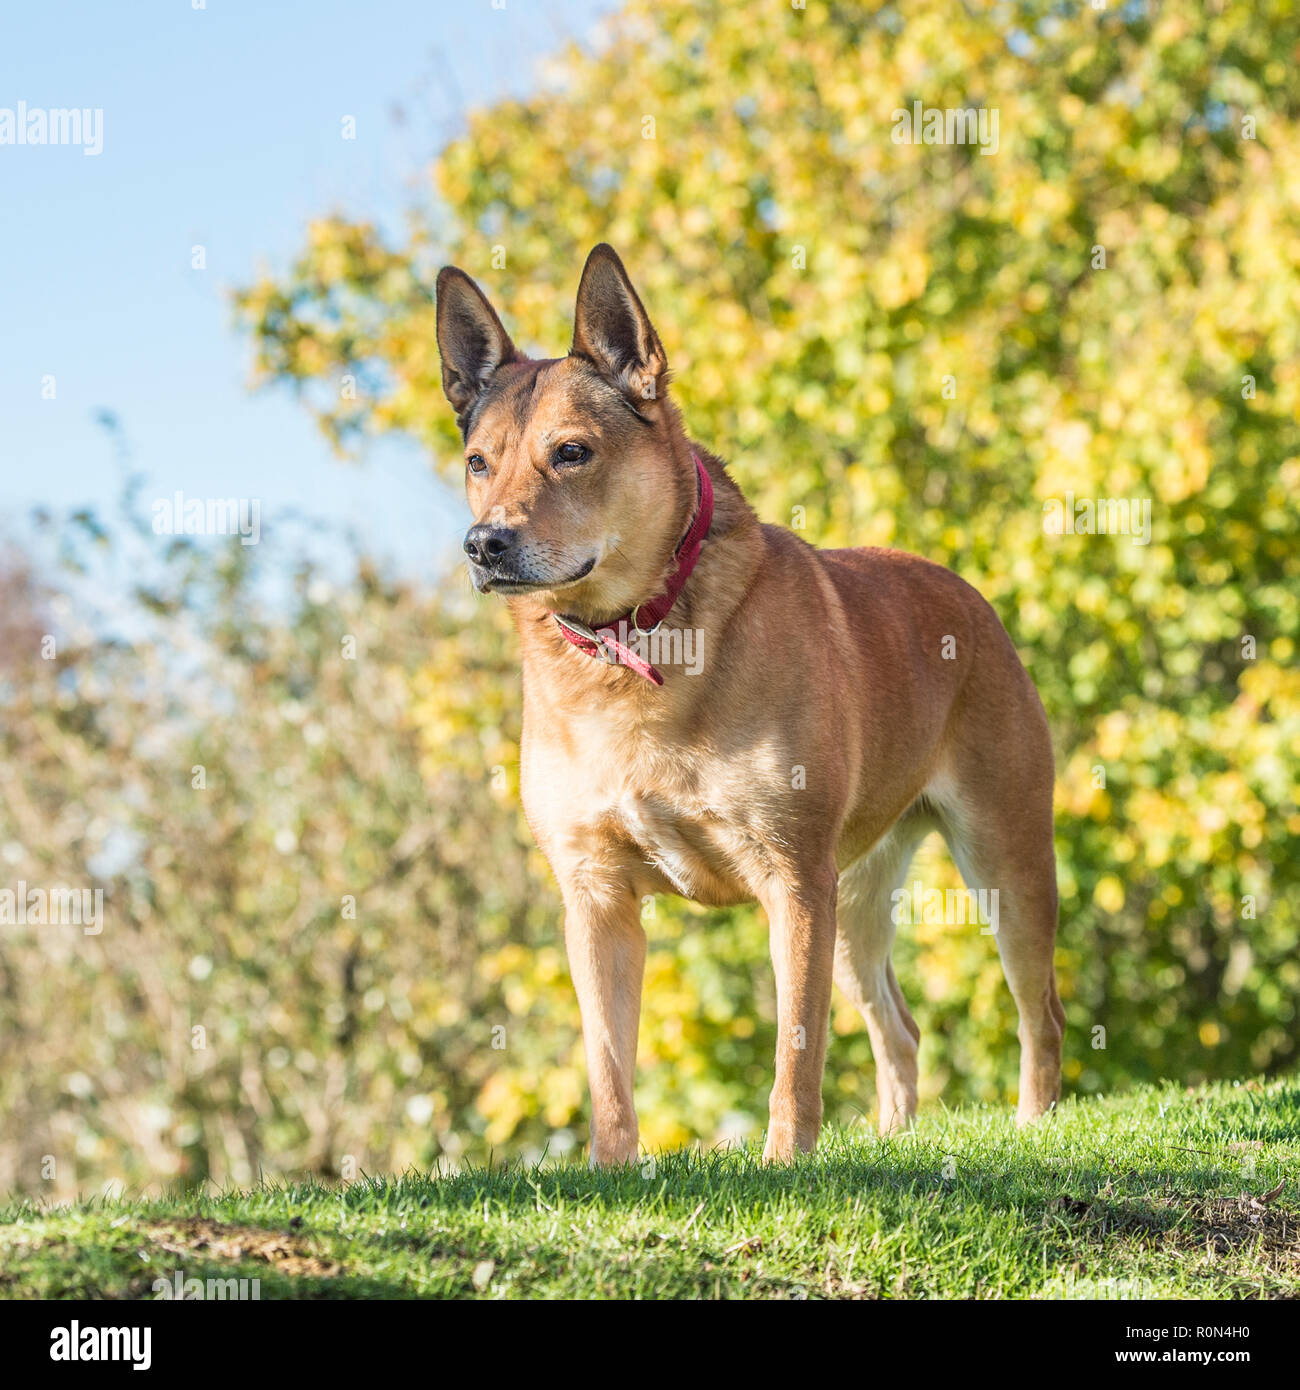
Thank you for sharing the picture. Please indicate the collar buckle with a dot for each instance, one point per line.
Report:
(579, 629)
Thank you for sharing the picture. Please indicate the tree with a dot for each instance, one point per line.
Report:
(1070, 369)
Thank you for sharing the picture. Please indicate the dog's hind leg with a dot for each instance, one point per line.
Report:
(863, 942)
(995, 812)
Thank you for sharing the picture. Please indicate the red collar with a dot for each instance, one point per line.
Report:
(612, 641)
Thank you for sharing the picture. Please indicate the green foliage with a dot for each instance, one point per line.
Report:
(930, 347)
(293, 971)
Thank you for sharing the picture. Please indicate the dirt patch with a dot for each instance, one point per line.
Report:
(1227, 1224)
(286, 1253)
(1216, 1228)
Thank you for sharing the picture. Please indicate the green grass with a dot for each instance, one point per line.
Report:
(1147, 1195)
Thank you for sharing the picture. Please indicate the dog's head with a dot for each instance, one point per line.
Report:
(573, 465)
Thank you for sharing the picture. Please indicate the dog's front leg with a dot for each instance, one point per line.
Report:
(801, 920)
(606, 947)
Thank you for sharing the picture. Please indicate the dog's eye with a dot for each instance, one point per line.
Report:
(572, 453)
(476, 463)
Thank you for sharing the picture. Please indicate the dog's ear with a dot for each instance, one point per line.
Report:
(471, 340)
(612, 330)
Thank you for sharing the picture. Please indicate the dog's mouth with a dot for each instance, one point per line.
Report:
(492, 582)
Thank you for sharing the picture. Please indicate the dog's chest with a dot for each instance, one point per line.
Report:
(697, 821)
(679, 809)
(697, 850)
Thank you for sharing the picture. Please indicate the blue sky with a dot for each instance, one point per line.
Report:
(221, 127)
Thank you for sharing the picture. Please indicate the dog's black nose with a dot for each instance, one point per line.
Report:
(485, 544)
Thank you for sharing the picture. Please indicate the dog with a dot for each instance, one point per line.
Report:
(846, 704)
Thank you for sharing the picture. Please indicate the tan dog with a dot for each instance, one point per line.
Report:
(841, 705)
